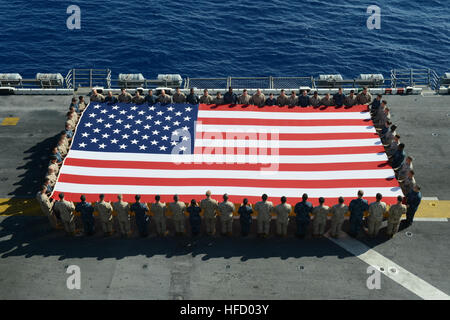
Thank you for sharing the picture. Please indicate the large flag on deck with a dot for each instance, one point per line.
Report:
(244, 151)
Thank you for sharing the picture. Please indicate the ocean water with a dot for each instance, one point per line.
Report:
(208, 38)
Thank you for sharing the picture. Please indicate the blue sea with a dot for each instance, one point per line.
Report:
(206, 38)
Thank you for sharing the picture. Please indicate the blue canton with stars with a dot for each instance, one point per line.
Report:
(130, 128)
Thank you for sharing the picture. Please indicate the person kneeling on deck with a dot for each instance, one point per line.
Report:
(245, 217)
(395, 215)
(377, 210)
(142, 219)
(338, 212)
(282, 211)
(105, 211)
(158, 209)
(65, 209)
(264, 209)
(320, 214)
(226, 209)
(87, 216)
(209, 207)
(178, 209)
(195, 220)
(122, 210)
(46, 205)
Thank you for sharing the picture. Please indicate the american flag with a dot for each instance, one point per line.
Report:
(244, 151)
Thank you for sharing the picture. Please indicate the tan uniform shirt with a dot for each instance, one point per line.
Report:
(209, 207)
(283, 100)
(97, 98)
(165, 99)
(320, 213)
(177, 208)
(125, 98)
(138, 100)
(315, 102)
(81, 106)
(44, 203)
(339, 211)
(179, 97)
(293, 101)
(326, 102)
(395, 213)
(104, 209)
(244, 99)
(62, 149)
(206, 99)
(71, 123)
(52, 179)
(404, 170)
(408, 184)
(282, 211)
(218, 100)
(377, 210)
(158, 209)
(364, 98)
(54, 166)
(226, 210)
(258, 99)
(264, 210)
(122, 209)
(65, 209)
(350, 101)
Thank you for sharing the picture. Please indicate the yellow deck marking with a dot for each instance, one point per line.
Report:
(434, 209)
(9, 121)
(12, 207)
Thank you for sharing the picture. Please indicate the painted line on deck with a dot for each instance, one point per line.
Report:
(9, 122)
(403, 277)
(430, 198)
(431, 219)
